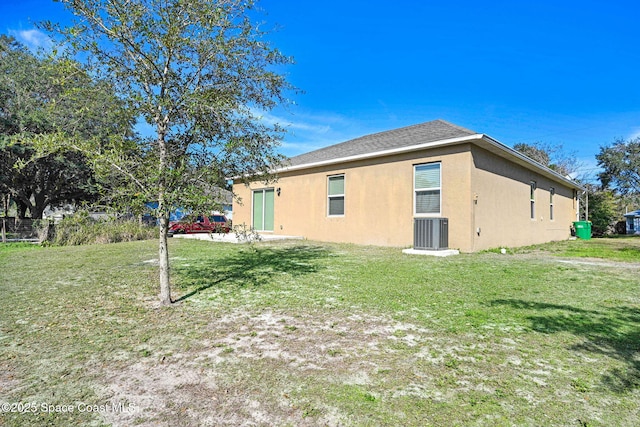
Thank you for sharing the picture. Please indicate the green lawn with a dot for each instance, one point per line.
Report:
(303, 333)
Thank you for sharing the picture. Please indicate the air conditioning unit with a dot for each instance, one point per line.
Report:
(431, 233)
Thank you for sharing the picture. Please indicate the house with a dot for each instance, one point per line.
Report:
(218, 196)
(633, 222)
(370, 191)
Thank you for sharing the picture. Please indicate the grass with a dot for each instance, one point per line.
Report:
(300, 333)
(619, 248)
(10, 246)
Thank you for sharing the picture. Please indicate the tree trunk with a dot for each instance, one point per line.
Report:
(163, 216)
(21, 209)
(37, 212)
(163, 259)
(39, 205)
(6, 201)
(5, 211)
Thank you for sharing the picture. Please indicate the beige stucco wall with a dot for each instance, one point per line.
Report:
(379, 201)
(502, 210)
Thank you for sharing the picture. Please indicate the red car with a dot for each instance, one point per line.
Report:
(200, 224)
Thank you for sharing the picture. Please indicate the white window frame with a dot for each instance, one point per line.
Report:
(552, 192)
(335, 196)
(532, 199)
(416, 190)
(263, 191)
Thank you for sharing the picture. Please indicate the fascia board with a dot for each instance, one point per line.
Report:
(478, 139)
(382, 153)
(537, 166)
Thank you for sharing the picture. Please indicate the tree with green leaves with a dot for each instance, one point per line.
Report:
(200, 73)
(39, 96)
(620, 162)
(603, 210)
(51, 180)
(552, 156)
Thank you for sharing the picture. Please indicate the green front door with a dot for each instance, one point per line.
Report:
(263, 210)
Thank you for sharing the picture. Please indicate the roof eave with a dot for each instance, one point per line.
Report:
(382, 153)
(478, 138)
(506, 151)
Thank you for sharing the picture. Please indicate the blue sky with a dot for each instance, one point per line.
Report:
(559, 72)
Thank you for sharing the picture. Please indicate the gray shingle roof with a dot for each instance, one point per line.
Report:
(435, 130)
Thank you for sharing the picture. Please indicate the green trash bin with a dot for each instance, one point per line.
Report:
(583, 229)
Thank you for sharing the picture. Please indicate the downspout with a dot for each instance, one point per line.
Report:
(474, 198)
(586, 209)
(474, 203)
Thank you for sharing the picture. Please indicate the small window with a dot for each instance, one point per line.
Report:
(335, 195)
(426, 185)
(532, 199)
(552, 192)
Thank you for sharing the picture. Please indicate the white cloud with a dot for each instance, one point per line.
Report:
(635, 133)
(34, 40)
(310, 131)
(291, 124)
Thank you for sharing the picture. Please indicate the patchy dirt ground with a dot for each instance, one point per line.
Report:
(210, 384)
(595, 262)
(262, 369)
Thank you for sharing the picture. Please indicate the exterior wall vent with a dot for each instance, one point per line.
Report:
(431, 233)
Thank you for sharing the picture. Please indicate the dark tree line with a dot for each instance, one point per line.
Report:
(38, 96)
(619, 179)
(620, 162)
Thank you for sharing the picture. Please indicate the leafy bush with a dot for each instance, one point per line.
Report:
(602, 213)
(81, 229)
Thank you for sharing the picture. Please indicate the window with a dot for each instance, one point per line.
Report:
(263, 203)
(426, 185)
(552, 192)
(532, 199)
(335, 195)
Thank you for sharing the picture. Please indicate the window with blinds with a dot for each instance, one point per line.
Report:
(426, 184)
(335, 195)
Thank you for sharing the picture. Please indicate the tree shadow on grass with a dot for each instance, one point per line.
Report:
(610, 331)
(249, 267)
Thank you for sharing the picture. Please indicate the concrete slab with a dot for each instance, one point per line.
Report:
(231, 237)
(441, 253)
(271, 237)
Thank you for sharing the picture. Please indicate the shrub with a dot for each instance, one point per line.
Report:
(81, 229)
(602, 213)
